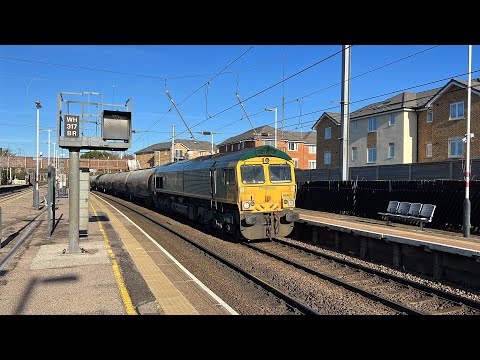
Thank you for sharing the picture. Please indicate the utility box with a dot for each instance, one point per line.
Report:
(84, 192)
(117, 125)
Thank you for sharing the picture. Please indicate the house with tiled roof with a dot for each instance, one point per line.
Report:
(442, 123)
(402, 129)
(301, 146)
(328, 140)
(160, 154)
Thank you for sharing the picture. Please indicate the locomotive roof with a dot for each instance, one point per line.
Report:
(209, 160)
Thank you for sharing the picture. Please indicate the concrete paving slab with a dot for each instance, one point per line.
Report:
(51, 256)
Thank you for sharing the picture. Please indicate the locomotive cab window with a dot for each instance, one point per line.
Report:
(280, 173)
(229, 177)
(252, 174)
(159, 182)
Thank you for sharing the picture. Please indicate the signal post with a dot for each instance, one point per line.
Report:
(77, 130)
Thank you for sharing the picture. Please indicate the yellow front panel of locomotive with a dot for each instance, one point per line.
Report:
(268, 196)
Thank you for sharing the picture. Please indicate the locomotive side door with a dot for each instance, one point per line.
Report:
(213, 185)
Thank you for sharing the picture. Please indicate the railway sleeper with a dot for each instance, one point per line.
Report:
(449, 310)
(422, 299)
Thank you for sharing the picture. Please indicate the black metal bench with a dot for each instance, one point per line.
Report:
(415, 212)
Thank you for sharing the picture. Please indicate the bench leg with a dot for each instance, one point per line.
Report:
(387, 220)
(421, 225)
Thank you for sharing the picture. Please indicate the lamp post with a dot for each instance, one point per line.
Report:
(275, 110)
(466, 201)
(35, 196)
(207, 133)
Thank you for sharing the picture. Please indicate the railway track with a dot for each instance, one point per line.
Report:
(14, 194)
(292, 304)
(397, 293)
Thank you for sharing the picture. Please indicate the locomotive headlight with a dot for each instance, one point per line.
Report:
(246, 205)
(291, 203)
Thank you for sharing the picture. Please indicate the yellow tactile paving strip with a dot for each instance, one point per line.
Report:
(352, 224)
(167, 295)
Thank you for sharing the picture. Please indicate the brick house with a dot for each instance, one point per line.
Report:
(406, 128)
(160, 154)
(301, 146)
(381, 133)
(328, 140)
(442, 123)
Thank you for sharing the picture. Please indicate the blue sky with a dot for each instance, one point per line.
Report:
(39, 72)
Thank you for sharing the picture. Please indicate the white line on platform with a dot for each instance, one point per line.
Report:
(198, 282)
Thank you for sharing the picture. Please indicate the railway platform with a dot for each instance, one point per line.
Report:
(114, 274)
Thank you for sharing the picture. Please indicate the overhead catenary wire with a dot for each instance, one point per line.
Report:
(245, 111)
(389, 104)
(178, 111)
(354, 77)
(366, 99)
(271, 86)
(218, 73)
(106, 71)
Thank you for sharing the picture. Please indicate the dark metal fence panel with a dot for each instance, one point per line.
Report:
(334, 174)
(302, 175)
(363, 173)
(450, 169)
(394, 172)
(458, 170)
(370, 197)
(431, 171)
(330, 196)
(367, 198)
(475, 170)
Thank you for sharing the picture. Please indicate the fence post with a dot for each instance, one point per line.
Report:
(376, 172)
(410, 171)
(451, 170)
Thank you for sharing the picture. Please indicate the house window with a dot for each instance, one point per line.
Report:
(428, 150)
(202, 153)
(269, 142)
(391, 150)
(178, 153)
(292, 146)
(372, 124)
(295, 163)
(328, 133)
(312, 149)
(456, 110)
(312, 164)
(455, 148)
(327, 157)
(354, 125)
(429, 116)
(372, 155)
(391, 122)
(354, 154)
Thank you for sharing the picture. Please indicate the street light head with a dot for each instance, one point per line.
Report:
(37, 102)
(270, 109)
